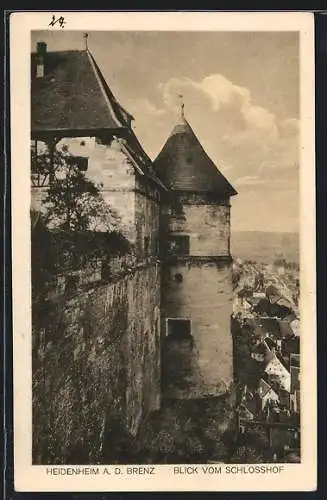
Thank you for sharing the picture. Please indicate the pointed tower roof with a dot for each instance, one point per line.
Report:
(72, 95)
(183, 164)
(71, 98)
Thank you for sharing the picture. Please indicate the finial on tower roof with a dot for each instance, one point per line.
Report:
(85, 36)
(182, 106)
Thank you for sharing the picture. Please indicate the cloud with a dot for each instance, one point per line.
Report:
(222, 95)
(250, 180)
(246, 141)
(223, 92)
(142, 107)
(235, 129)
(259, 118)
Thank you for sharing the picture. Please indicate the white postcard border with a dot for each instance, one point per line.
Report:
(290, 477)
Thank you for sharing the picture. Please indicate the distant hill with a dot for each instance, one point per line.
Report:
(262, 246)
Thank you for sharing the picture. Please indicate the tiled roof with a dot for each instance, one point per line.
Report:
(284, 302)
(73, 99)
(138, 154)
(273, 292)
(264, 388)
(270, 343)
(279, 377)
(72, 95)
(248, 409)
(183, 165)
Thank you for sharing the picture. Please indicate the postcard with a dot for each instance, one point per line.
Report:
(163, 251)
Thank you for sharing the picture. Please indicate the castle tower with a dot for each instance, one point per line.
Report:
(197, 294)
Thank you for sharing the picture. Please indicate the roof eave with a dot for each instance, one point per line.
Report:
(60, 133)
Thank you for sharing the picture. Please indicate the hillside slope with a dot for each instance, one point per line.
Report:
(264, 246)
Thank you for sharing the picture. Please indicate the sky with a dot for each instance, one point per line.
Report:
(241, 97)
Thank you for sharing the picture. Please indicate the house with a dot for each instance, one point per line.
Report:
(295, 327)
(295, 360)
(295, 396)
(279, 306)
(266, 394)
(273, 344)
(249, 405)
(290, 345)
(262, 307)
(248, 410)
(277, 375)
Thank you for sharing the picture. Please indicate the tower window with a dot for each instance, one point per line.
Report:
(177, 209)
(179, 245)
(179, 329)
(178, 277)
(80, 161)
(146, 244)
(156, 245)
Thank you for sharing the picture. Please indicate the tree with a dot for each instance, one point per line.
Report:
(73, 202)
(75, 226)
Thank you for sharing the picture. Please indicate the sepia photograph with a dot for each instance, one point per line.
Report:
(165, 248)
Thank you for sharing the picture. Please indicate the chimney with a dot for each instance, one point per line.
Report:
(40, 56)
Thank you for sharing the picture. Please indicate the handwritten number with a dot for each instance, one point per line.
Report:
(60, 21)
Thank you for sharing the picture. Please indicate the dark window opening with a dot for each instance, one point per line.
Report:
(177, 209)
(179, 329)
(179, 245)
(71, 283)
(146, 244)
(80, 161)
(105, 271)
(156, 245)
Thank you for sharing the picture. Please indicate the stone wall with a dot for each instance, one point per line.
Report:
(96, 368)
(96, 354)
(203, 293)
(206, 224)
(109, 166)
(147, 213)
(197, 286)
